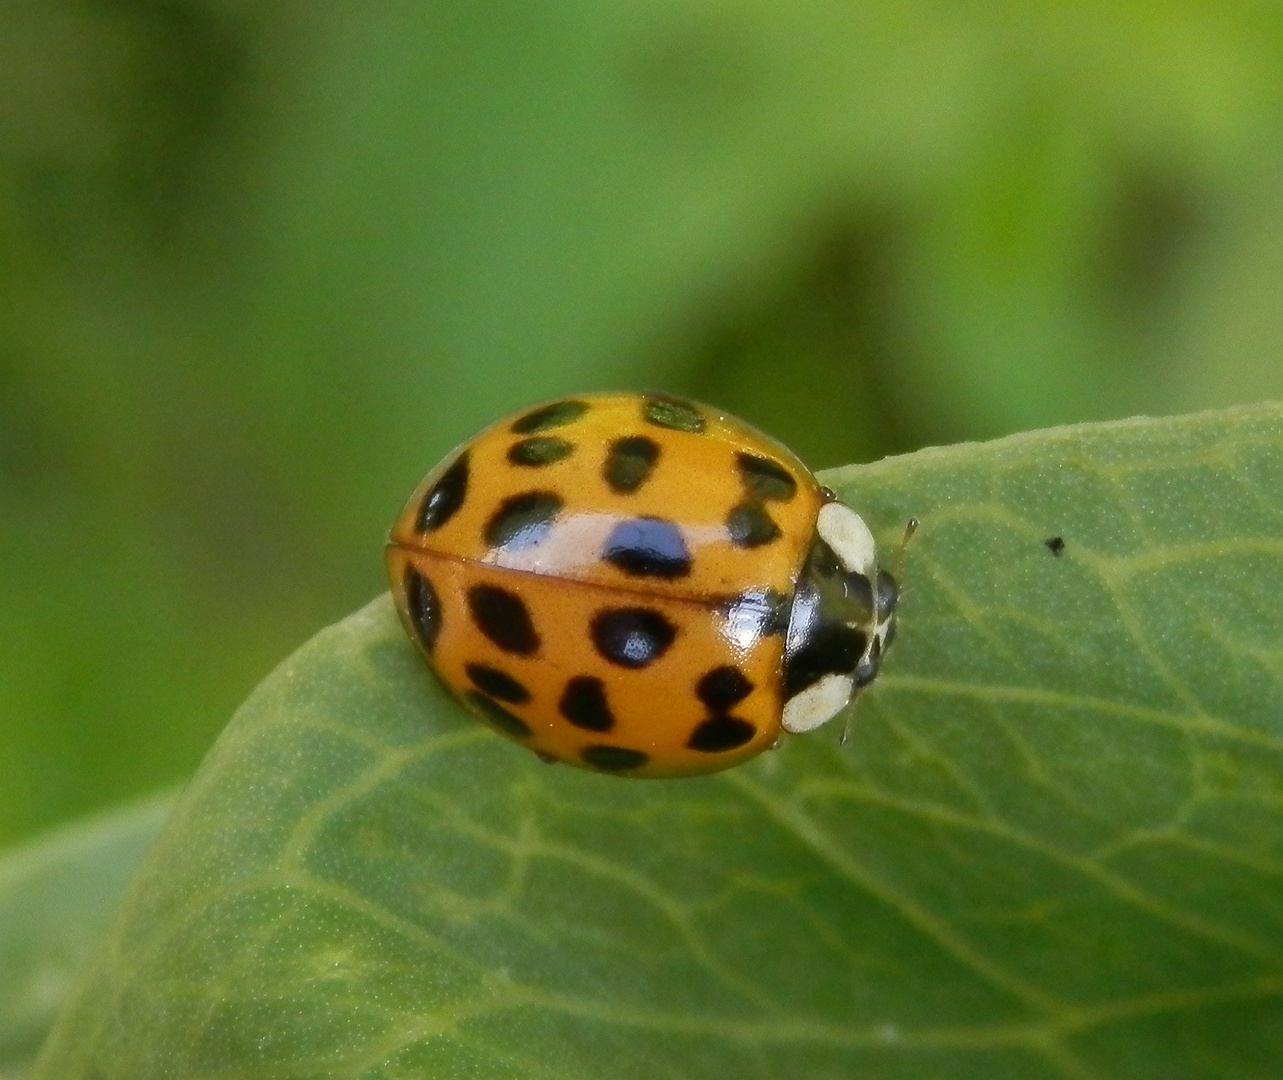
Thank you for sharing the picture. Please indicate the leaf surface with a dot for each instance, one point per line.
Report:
(1053, 847)
(57, 896)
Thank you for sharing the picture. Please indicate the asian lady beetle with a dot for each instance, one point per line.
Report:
(640, 585)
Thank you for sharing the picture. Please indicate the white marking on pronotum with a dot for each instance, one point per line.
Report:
(845, 532)
(817, 704)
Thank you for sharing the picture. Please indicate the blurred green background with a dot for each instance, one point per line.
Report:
(261, 264)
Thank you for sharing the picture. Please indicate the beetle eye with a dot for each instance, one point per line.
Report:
(888, 594)
(865, 671)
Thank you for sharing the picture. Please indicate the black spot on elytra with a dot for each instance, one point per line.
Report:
(498, 715)
(445, 497)
(496, 683)
(632, 637)
(523, 520)
(1055, 544)
(750, 526)
(629, 462)
(584, 704)
(723, 687)
(613, 758)
(720, 733)
(424, 607)
(648, 547)
(558, 414)
(671, 412)
(539, 450)
(502, 616)
(764, 478)
(832, 649)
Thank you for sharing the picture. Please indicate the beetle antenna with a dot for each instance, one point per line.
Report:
(910, 529)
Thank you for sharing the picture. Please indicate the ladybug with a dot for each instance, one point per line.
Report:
(640, 585)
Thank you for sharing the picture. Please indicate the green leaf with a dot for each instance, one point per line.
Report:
(1053, 847)
(57, 895)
